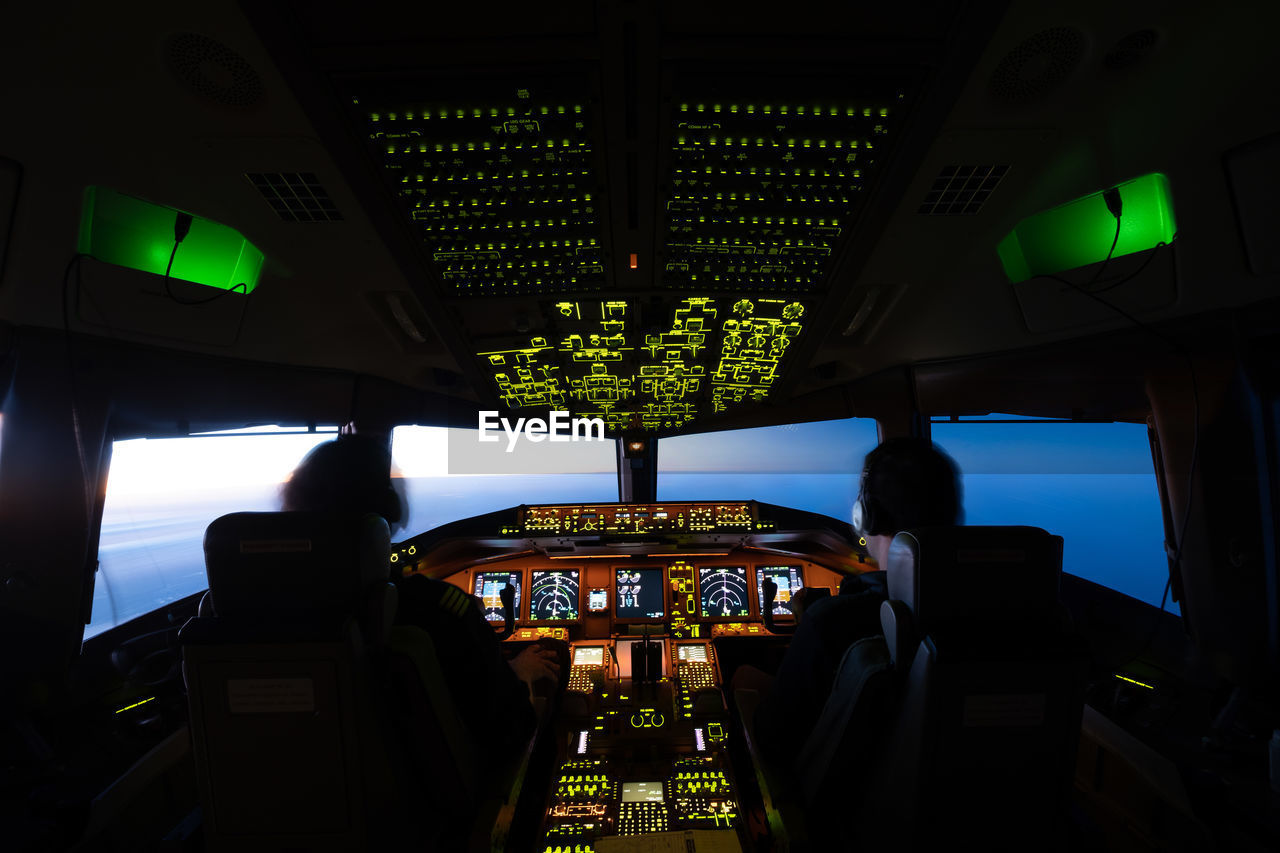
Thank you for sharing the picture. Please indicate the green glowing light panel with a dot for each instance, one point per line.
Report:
(499, 181)
(707, 354)
(1080, 232)
(130, 232)
(761, 188)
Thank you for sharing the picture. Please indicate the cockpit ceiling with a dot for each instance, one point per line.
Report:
(505, 183)
(671, 216)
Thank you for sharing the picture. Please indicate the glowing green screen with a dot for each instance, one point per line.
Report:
(1080, 232)
(130, 232)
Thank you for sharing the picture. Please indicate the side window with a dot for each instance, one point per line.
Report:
(162, 494)
(1091, 483)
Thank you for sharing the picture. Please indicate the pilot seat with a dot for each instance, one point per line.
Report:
(960, 722)
(317, 724)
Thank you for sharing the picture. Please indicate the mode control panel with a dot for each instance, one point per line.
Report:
(562, 519)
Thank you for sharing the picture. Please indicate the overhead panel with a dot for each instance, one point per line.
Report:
(765, 176)
(500, 179)
(695, 355)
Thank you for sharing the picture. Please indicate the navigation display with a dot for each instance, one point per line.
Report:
(588, 656)
(488, 589)
(637, 594)
(553, 595)
(723, 592)
(788, 578)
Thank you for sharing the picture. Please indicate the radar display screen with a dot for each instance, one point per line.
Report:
(489, 588)
(553, 595)
(588, 656)
(788, 578)
(692, 652)
(723, 592)
(642, 792)
(637, 594)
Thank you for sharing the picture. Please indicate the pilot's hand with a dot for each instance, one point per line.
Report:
(798, 599)
(534, 663)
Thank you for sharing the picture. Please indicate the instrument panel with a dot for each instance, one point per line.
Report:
(626, 594)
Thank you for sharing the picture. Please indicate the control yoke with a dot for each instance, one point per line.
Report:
(766, 613)
(508, 596)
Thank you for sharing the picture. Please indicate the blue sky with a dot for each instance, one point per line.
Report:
(977, 447)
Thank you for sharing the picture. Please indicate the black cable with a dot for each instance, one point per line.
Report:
(1112, 285)
(182, 227)
(1113, 204)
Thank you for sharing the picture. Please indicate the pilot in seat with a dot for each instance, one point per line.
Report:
(906, 483)
(492, 694)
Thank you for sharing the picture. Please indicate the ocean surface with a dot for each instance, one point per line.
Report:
(151, 548)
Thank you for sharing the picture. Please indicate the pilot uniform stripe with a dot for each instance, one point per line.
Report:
(449, 599)
(454, 601)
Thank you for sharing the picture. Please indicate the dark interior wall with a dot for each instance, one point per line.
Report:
(1207, 442)
(54, 445)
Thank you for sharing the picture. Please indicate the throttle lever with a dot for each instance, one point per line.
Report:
(766, 612)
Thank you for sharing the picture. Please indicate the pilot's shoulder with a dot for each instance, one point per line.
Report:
(422, 592)
(875, 583)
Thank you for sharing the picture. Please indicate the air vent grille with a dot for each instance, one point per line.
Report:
(961, 190)
(295, 196)
(1038, 65)
(1131, 50)
(213, 71)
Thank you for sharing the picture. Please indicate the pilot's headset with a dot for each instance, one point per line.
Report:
(865, 509)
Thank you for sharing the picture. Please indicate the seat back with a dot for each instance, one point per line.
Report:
(983, 744)
(285, 724)
(831, 766)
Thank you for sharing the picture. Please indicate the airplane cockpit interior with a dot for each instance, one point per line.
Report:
(635, 309)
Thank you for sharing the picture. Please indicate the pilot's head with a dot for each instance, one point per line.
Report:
(906, 483)
(352, 473)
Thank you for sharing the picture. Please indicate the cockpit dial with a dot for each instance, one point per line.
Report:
(553, 595)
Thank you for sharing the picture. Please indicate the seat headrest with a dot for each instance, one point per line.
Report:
(976, 576)
(295, 563)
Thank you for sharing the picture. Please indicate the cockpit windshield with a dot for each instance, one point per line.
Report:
(811, 466)
(450, 474)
